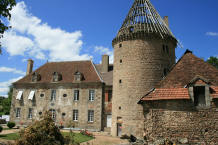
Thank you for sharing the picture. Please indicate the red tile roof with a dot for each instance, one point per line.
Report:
(167, 94)
(215, 92)
(186, 69)
(66, 69)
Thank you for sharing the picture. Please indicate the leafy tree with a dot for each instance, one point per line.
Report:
(42, 132)
(5, 103)
(5, 8)
(213, 61)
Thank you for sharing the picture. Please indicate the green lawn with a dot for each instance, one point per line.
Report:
(79, 138)
(11, 136)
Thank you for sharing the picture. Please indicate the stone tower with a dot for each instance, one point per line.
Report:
(144, 51)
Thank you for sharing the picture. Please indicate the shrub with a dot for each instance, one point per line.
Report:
(1, 128)
(3, 121)
(42, 132)
(85, 132)
(11, 124)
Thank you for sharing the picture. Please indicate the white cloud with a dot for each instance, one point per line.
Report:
(30, 36)
(12, 70)
(103, 50)
(212, 33)
(4, 86)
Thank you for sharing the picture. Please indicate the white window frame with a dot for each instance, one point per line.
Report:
(18, 110)
(90, 115)
(75, 115)
(31, 95)
(76, 95)
(30, 114)
(53, 113)
(53, 95)
(91, 95)
(19, 95)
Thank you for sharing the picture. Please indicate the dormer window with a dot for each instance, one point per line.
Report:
(78, 76)
(199, 96)
(56, 77)
(36, 77)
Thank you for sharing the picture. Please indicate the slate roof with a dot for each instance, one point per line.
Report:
(67, 70)
(106, 76)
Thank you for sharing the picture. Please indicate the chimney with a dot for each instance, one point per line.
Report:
(166, 20)
(105, 63)
(29, 66)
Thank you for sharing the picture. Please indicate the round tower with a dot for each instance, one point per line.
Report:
(144, 51)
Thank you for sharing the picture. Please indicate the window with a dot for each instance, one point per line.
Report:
(199, 96)
(78, 76)
(121, 61)
(75, 115)
(53, 113)
(165, 49)
(36, 77)
(64, 95)
(63, 115)
(120, 45)
(131, 29)
(120, 81)
(109, 95)
(56, 77)
(18, 112)
(42, 95)
(40, 113)
(165, 71)
(53, 95)
(76, 95)
(30, 114)
(91, 95)
(90, 115)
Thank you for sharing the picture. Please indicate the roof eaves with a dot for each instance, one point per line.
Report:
(97, 72)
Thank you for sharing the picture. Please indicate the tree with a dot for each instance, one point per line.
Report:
(42, 132)
(5, 8)
(5, 103)
(213, 61)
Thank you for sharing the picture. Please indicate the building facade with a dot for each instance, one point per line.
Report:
(145, 93)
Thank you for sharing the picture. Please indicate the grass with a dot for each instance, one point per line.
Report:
(10, 136)
(79, 138)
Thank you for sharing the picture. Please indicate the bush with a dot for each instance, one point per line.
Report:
(42, 132)
(1, 128)
(11, 124)
(85, 132)
(3, 121)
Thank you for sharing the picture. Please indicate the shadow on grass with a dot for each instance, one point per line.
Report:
(10, 136)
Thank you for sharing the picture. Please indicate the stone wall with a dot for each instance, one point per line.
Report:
(179, 119)
(61, 104)
(138, 65)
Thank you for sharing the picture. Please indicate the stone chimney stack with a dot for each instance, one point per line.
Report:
(105, 63)
(166, 20)
(29, 66)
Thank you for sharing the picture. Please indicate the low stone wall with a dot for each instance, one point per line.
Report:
(198, 126)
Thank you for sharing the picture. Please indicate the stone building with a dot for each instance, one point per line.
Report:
(153, 96)
(74, 92)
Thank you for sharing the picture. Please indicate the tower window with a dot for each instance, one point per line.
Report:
(131, 29)
(199, 96)
(120, 108)
(64, 95)
(121, 61)
(42, 95)
(120, 45)
(120, 81)
(165, 72)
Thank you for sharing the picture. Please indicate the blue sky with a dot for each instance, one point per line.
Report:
(83, 29)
